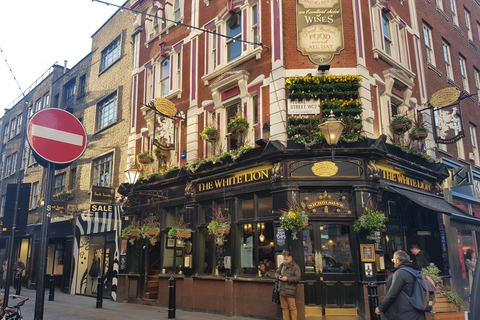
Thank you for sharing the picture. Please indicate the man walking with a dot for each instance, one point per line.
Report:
(395, 305)
(421, 260)
(289, 275)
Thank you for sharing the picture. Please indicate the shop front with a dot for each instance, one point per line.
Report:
(237, 266)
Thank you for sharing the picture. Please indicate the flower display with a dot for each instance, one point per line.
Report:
(293, 220)
(144, 158)
(150, 229)
(180, 230)
(370, 220)
(219, 226)
(210, 134)
(238, 124)
(132, 232)
(400, 123)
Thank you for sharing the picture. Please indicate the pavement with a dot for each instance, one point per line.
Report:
(77, 307)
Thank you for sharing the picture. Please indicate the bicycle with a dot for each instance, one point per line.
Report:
(13, 313)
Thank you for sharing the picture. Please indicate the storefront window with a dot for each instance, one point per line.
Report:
(247, 209)
(257, 250)
(461, 204)
(265, 206)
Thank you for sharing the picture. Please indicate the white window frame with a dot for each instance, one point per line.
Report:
(477, 83)
(164, 77)
(177, 10)
(153, 22)
(45, 100)
(19, 123)
(387, 34)
(8, 166)
(453, 8)
(427, 37)
(231, 42)
(102, 170)
(468, 25)
(34, 195)
(463, 72)
(474, 142)
(111, 54)
(38, 105)
(440, 4)
(254, 19)
(31, 157)
(3, 199)
(14, 163)
(60, 182)
(24, 154)
(107, 111)
(6, 132)
(447, 59)
(13, 128)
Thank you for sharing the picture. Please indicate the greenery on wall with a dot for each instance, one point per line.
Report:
(336, 94)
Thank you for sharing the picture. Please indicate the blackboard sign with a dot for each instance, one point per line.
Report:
(281, 239)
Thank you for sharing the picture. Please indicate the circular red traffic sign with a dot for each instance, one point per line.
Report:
(56, 136)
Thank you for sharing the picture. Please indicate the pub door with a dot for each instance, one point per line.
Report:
(329, 270)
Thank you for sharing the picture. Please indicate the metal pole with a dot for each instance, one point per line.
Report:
(171, 298)
(51, 295)
(18, 278)
(47, 212)
(373, 300)
(99, 292)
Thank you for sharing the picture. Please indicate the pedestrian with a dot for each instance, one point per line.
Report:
(289, 275)
(395, 305)
(19, 267)
(470, 262)
(3, 274)
(421, 259)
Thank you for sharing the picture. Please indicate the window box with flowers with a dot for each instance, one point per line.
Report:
(238, 125)
(144, 158)
(219, 227)
(294, 220)
(210, 134)
(370, 221)
(400, 123)
(180, 230)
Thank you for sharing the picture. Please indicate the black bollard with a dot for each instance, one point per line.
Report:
(171, 298)
(51, 295)
(100, 292)
(373, 300)
(18, 280)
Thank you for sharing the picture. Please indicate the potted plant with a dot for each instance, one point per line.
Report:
(446, 299)
(144, 158)
(400, 123)
(294, 220)
(238, 124)
(132, 232)
(419, 130)
(371, 221)
(161, 154)
(150, 229)
(180, 230)
(219, 226)
(210, 134)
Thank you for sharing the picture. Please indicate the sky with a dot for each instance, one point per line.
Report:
(35, 34)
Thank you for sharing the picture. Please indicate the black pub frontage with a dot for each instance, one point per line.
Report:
(337, 263)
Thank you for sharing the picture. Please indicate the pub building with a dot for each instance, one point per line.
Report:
(333, 190)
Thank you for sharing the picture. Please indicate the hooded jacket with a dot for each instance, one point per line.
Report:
(395, 305)
(292, 272)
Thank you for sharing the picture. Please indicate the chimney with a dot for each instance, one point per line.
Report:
(65, 66)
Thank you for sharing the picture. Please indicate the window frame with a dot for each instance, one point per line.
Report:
(60, 182)
(34, 195)
(427, 37)
(82, 85)
(110, 101)
(111, 54)
(453, 9)
(447, 58)
(164, 80)
(387, 34)
(233, 47)
(468, 25)
(45, 100)
(464, 73)
(98, 174)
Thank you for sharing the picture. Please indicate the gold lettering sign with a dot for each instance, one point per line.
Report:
(320, 29)
(165, 107)
(325, 169)
(316, 204)
(390, 173)
(247, 176)
(444, 97)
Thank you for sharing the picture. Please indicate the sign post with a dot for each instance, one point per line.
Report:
(57, 139)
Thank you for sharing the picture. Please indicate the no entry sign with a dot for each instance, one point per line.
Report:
(56, 136)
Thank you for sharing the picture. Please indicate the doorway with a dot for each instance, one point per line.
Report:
(329, 269)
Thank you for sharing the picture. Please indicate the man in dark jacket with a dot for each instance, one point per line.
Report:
(289, 275)
(421, 260)
(395, 305)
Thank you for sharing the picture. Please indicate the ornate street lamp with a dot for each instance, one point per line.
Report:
(332, 130)
(132, 174)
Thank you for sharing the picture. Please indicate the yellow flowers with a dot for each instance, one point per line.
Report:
(323, 79)
(294, 220)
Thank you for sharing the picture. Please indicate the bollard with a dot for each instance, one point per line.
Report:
(171, 298)
(373, 300)
(99, 292)
(18, 280)
(51, 295)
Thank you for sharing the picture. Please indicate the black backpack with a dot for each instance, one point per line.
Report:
(423, 292)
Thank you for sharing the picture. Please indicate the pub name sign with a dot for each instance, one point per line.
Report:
(239, 178)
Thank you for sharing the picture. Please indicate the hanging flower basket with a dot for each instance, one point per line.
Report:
(144, 158)
(179, 230)
(210, 134)
(370, 221)
(132, 232)
(219, 227)
(401, 124)
(238, 125)
(294, 220)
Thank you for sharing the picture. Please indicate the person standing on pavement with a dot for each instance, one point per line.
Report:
(289, 275)
(421, 260)
(19, 267)
(395, 305)
(3, 274)
(470, 262)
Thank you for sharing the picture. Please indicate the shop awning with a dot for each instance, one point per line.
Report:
(431, 202)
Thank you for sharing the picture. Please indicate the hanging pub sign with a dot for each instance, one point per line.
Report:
(319, 29)
(447, 113)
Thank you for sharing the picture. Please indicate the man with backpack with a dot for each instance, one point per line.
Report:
(404, 299)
